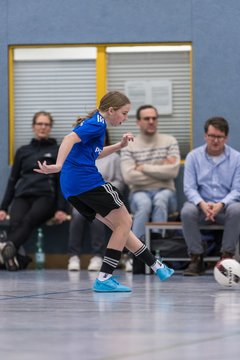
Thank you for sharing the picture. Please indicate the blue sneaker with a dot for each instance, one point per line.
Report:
(164, 272)
(109, 285)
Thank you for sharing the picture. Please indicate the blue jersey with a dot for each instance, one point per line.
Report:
(79, 172)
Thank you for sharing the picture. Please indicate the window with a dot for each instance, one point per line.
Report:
(60, 81)
(147, 67)
(68, 81)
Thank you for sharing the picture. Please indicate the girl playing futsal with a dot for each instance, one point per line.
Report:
(84, 187)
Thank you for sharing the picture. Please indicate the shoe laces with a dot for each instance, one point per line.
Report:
(113, 278)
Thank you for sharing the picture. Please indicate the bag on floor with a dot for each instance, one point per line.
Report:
(173, 245)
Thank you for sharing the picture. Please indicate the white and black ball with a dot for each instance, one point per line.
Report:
(227, 272)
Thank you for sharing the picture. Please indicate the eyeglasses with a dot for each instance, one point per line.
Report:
(216, 137)
(147, 118)
(43, 124)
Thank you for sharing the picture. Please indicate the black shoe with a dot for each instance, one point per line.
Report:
(196, 266)
(9, 251)
(9, 258)
(23, 261)
(226, 255)
(12, 264)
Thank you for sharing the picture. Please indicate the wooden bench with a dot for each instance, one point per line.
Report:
(177, 225)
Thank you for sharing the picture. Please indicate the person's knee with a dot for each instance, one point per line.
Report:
(123, 222)
(142, 208)
(189, 211)
(166, 200)
(163, 196)
(32, 220)
(161, 202)
(78, 219)
(141, 201)
(125, 225)
(128, 222)
(14, 224)
(233, 210)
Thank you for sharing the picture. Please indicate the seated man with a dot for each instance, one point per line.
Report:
(212, 188)
(149, 166)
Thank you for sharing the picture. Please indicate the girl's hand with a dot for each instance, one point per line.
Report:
(60, 217)
(47, 169)
(125, 139)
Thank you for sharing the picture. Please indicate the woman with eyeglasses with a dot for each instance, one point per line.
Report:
(31, 199)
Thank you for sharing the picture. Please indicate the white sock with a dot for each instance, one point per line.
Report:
(157, 265)
(104, 276)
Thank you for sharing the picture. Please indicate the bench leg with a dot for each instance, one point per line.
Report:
(148, 245)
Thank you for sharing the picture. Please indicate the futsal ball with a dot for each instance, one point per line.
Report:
(227, 272)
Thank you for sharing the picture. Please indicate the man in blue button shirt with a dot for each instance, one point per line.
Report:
(212, 189)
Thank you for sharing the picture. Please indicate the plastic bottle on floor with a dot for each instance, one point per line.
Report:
(40, 255)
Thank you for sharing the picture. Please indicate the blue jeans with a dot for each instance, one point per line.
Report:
(154, 205)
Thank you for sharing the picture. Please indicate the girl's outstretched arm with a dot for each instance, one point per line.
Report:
(64, 149)
(107, 150)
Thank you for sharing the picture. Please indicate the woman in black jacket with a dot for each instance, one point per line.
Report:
(30, 198)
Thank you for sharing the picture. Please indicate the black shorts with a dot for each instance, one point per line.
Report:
(100, 200)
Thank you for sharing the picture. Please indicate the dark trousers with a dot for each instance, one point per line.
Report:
(27, 214)
(96, 232)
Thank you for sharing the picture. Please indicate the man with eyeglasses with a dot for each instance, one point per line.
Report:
(212, 189)
(149, 166)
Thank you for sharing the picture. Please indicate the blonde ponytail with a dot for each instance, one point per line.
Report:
(88, 116)
(114, 99)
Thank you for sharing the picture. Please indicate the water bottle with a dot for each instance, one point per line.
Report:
(40, 255)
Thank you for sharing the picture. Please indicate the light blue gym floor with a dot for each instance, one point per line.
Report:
(53, 314)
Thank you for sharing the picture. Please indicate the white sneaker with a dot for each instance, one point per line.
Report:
(129, 265)
(74, 263)
(95, 263)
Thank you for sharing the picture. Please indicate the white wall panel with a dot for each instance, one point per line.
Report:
(174, 66)
(64, 88)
